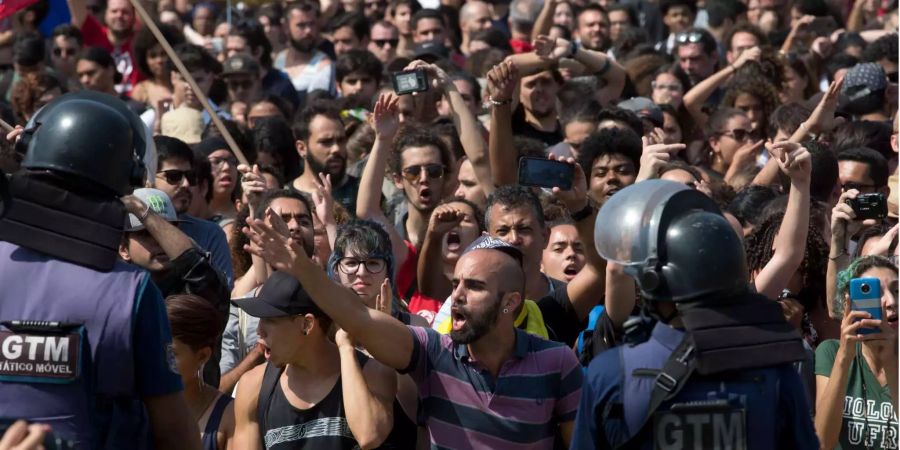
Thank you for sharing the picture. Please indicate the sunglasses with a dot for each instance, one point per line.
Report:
(433, 171)
(174, 176)
(58, 51)
(692, 37)
(351, 265)
(737, 134)
(382, 42)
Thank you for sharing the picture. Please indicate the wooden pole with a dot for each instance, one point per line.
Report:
(149, 23)
(6, 127)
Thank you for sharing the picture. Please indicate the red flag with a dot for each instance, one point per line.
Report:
(9, 7)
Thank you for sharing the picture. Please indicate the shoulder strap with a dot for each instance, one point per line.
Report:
(669, 382)
(270, 382)
(585, 337)
(242, 326)
(215, 416)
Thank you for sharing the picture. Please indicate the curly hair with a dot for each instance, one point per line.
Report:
(757, 87)
(28, 92)
(856, 268)
(758, 245)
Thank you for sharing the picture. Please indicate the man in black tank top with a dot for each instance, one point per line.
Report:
(296, 400)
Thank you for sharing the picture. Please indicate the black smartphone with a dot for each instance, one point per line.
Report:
(410, 81)
(545, 173)
(869, 206)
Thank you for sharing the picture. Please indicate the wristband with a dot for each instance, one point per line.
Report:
(842, 253)
(144, 214)
(498, 102)
(605, 68)
(584, 213)
(573, 49)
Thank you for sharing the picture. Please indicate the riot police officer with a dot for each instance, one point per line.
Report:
(716, 370)
(84, 340)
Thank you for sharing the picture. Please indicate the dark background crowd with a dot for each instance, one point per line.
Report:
(783, 112)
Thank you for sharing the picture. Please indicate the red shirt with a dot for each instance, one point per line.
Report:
(422, 305)
(95, 35)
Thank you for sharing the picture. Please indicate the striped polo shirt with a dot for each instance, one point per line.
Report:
(465, 407)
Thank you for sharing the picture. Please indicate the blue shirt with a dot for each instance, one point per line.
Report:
(210, 238)
(154, 357)
(604, 387)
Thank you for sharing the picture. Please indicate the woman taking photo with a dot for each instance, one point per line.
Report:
(856, 376)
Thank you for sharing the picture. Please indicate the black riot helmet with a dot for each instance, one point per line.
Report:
(89, 135)
(673, 241)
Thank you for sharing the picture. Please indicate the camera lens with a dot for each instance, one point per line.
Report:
(865, 288)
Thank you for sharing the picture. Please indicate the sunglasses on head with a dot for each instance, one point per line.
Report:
(433, 171)
(692, 37)
(383, 42)
(174, 176)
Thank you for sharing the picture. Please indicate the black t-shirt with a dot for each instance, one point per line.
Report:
(559, 315)
(521, 127)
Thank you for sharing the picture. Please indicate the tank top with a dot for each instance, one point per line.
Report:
(321, 427)
(212, 424)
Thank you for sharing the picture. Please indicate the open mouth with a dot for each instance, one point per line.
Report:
(892, 318)
(267, 353)
(610, 192)
(425, 195)
(225, 180)
(458, 319)
(570, 271)
(453, 241)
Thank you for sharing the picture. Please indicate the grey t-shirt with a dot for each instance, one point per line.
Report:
(239, 337)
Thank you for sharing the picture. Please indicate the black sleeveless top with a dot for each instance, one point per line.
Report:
(324, 426)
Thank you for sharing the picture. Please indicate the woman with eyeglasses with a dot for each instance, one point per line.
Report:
(731, 149)
(363, 262)
(856, 375)
(156, 89)
(225, 180)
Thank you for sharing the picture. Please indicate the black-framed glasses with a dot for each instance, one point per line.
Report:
(433, 171)
(218, 162)
(174, 176)
(382, 42)
(350, 266)
(737, 134)
(858, 186)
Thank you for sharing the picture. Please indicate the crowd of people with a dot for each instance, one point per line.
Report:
(310, 260)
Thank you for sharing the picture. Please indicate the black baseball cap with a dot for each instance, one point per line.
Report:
(280, 296)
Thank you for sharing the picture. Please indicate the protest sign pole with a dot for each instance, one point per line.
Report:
(149, 23)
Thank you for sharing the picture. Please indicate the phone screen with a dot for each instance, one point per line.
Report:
(545, 173)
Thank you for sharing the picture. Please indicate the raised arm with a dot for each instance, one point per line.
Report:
(78, 10)
(696, 97)
(386, 122)
(544, 20)
(799, 25)
(619, 295)
(586, 289)
(172, 240)
(388, 340)
(597, 64)
(502, 81)
(822, 119)
(790, 243)
(843, 227)
(467, 126)
(324, 204)
(654, 157)
(368, 395)
(432, 280)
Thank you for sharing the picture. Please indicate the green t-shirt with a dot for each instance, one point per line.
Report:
(868, 421)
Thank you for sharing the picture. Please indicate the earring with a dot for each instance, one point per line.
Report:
(505, 310)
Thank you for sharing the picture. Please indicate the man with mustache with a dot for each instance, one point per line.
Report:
(474, 380)
(308, 68)
(322, 145)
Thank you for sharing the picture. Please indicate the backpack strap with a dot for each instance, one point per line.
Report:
(669, 381)
(583, 344)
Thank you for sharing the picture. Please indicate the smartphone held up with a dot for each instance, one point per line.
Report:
(410, 81)
(545, 173)
(865, 295)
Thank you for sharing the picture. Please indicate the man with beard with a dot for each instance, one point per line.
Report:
(175, 175)
(115, 37)
(240, 352)
(592, 28)
(322, 145)
(507, 372)
(308, 68)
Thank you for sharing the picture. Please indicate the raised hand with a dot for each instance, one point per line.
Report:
(843, 218)
(444, 218)
(822, 118)
(273, 243)
(552, 49)
(502, 81)
(575, 198)
(323, 200)
(13, 135)
(655, 156)
(883, 246)
(385, 298)
(343, 339)
(793, 159)
(385, 118)
(747, 154)
(253, 185)
(439, 78)
(751, 54)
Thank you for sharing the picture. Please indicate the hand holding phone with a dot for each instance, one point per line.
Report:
(545, 173)
(410, 81)
(865, 295)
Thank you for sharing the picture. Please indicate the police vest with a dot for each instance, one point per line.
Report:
(66, 345)
(729, 410)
